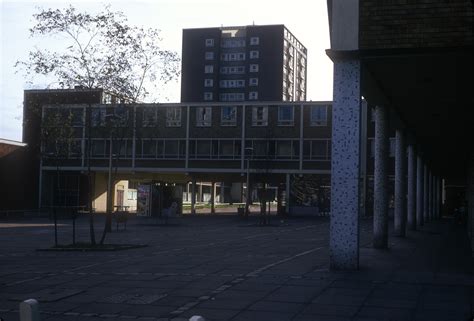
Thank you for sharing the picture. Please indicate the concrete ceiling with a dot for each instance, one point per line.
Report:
(432, 95)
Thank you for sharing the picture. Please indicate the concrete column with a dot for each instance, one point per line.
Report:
(400, 217)
(222, 196)
(419, 191)
(345, 162)
(430, 196)
(380, 237)
(438, 201)
(193, 196)
(201, 196)
(411, 199)
(213, 192)
(425, 194)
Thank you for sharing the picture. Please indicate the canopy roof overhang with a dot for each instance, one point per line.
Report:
(430, 92)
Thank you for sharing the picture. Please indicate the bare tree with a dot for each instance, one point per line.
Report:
(100, 51)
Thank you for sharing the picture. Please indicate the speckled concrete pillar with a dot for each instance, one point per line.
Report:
(380, 236)
(425, 194)
(345, 162)
(400, 214)
(411, 197)
(419, 191)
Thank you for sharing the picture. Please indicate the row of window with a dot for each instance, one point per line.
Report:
(256, 149)
(231, 83)
(233, 56)
(233, 43)
(209, 69)
(209, 96)
(318, 115)
(286, 116)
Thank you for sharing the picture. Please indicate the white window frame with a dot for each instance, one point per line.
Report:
(209, 42)
(263, 120)
(203, 116)
(229, 121)
(150, 122)
(321, 122)
(173, 117)
(253, 95)
(253, 82)
(209, 69)
(254, 54)
(286, 122)
(209, 55)
(98, 117)
(253, 68)
(208, 82)
(254, 41)
(208, 96)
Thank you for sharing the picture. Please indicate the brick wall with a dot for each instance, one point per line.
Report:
(415, 23)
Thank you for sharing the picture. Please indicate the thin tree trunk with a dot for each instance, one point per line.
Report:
(89, 176)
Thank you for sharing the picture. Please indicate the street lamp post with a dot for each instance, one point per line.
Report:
(248, 151)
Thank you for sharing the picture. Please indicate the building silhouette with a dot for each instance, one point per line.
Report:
(247, 63)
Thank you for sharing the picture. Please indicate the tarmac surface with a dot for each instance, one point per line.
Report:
(228, 268)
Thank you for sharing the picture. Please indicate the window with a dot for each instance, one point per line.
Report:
(77, 116)
(132, 194)
(253, 68)
(235, 56)
(284, 149)
(319, 149)
(228, 116)
(98, 117)
(148, 148)
(254, 54)
(173, 117)
(233, 43)
(253, 95)
(232, 83)
(226, 148)
(149, 117)
(203, 148)
(254, 40)
(233, 70)
(208, 69)
(207, 96)
(203, 116)
(171, 148)
(286, 116)
(260, 149)
(98, 147)
(209, 55)
(75, 148)
(259, 115)
(209, 42)
(232, 97)
(253, 81)
(208, 82)
(319, 116)
(121, 117)
(122, 147)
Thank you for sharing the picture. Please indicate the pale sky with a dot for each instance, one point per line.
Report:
(306, 19)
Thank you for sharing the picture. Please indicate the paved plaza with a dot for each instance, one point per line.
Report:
(227, 268)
